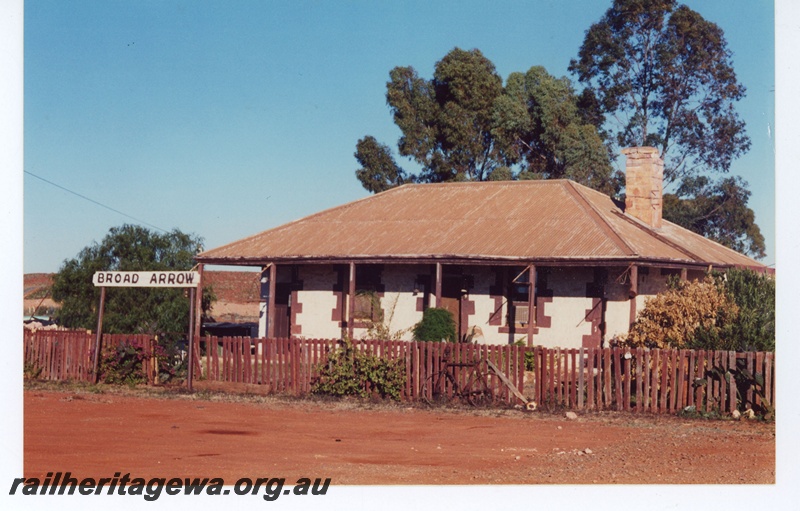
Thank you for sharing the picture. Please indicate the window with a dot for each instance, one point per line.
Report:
(367, 303)
(367, 306)
(518, 306)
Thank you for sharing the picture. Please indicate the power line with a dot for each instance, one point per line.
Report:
(95, 202)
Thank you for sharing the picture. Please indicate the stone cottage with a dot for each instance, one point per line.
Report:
(550, 262)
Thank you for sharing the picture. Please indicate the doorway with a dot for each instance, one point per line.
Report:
(283, 310)
(454, 295)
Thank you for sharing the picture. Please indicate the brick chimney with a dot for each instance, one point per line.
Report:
(644, 181)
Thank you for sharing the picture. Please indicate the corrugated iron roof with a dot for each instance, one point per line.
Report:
(546, 220)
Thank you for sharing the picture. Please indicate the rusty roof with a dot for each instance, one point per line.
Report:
(556, 221)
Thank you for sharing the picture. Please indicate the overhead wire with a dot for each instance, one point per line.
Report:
(94, 201)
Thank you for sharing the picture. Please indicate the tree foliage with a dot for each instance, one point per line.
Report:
(378, 171)
(663, 76)
(538, 124)
(128, 310)
(446, 122)
(718, 211)
(464, 125)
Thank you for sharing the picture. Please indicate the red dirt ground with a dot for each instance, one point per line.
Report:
(177, 435)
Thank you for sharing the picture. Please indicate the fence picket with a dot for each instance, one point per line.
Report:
(590, 383)
(581, 380)
(768, 379)
(712, 385)
(664, 387)
(652, 383)
(759, 374)
(672, 400)
(617, 363)
(698, 375)
(626, 394)
(680, 382)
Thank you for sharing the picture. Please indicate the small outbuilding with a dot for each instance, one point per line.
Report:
(550, 262)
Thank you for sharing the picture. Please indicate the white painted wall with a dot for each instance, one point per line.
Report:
(485, 307)
(568, 308)
(618, 305)
(318, 302)
(399, 303)
(650, 285)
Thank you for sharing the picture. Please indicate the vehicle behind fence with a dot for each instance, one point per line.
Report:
(638, 380)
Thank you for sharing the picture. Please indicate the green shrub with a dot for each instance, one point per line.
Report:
(754, 293)
(350, 372)
(124, 363)
(530, 356)
(436, 325)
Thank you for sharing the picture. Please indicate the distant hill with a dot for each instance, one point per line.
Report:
(36, 294)
(36, 284)
(237, 294)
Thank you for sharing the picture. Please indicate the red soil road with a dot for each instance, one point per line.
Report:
(95, 435)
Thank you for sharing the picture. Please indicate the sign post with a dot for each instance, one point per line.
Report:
(192, 333)
(104, 279)
(99, 330)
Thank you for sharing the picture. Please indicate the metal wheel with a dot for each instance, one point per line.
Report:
(438, 385)
(481, 398)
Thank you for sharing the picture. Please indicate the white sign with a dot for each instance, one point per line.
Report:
(146, 279)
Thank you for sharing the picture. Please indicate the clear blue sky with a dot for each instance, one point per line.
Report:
(224, 119)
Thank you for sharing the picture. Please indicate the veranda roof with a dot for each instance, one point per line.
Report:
(540, 221)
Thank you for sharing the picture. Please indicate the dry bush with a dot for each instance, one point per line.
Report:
(671, 318)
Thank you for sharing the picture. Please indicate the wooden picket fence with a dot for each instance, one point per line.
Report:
(293, 365)
(66, 355)
(622, 379)
(58, 355)
(656, 381)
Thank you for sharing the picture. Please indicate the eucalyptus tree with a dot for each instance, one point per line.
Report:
(663, 76)
(656, 73)
(465, 125)
(539, 126)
